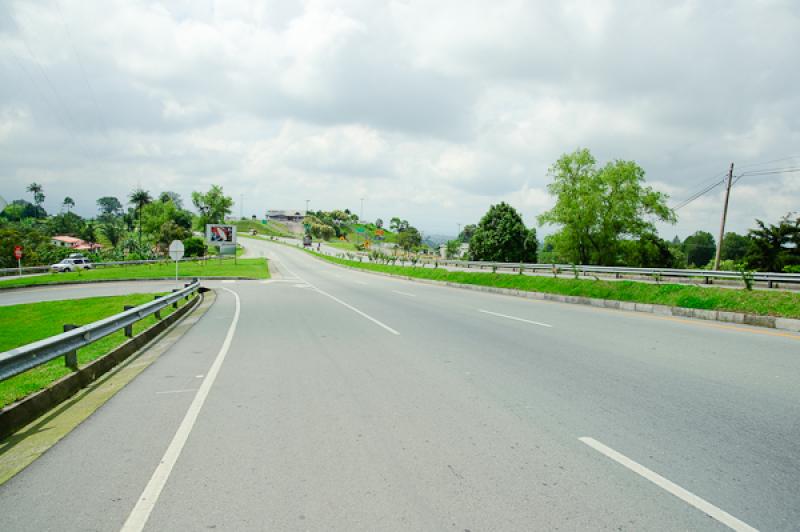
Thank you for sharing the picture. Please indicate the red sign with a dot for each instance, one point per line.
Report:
(17, 252)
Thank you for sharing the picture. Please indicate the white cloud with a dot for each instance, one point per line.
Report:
(431, 111)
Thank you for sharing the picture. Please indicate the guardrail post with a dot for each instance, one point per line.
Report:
(175, 303)
(71, 358)
(158, 312)
(128, 328)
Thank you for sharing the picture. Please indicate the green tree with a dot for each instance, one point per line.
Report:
(38, 193)
(699, 248)
(735, 247)
(113, 229)
(501, 236)
(67, 223)
(213, 206)
(409, 239)
(775, 247)
(648, 251)
(452, 248)
(466, 233)
(109, 205)
(174, 197)
(68, 203)
(597, 208)
(195, 247)
(140, 198)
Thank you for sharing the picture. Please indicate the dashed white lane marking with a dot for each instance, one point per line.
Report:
(515, 318)
(229, 281)
(144, 506)
(404, 293)
(351, 307)
(177, 391)
(686, 496)
(270, 281)
(360, 282)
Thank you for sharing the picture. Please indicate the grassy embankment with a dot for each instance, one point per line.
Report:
(269, 229)
(768, 303)
(250, 268)
(23, 324)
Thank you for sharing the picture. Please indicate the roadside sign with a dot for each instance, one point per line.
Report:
(18, 252)
(263, 222)
(379, 232)
(176, 250)
(220, 234)
(359, 229)
(176, 254)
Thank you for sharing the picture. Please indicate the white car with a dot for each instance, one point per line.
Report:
(71, 265)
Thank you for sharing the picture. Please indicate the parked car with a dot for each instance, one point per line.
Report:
(71, 264)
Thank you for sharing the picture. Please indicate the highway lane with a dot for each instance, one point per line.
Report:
(322, 418)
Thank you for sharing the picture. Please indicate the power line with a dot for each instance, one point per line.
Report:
(698, 194)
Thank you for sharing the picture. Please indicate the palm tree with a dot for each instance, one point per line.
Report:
(38, 193)
(140, 198)
(68, 203)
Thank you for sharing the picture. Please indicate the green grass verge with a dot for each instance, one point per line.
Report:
(767, 303)
(250, 268)
(23, 324)
(269, 229)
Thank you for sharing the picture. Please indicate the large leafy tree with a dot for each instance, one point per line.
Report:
(466, 233)
(735, 247)
(775, 247)
(410, 238)
(501, 236)
(68, 203)
(699, 248)
(139, 198)
(597, 208)
(109, 205)
(213, 205)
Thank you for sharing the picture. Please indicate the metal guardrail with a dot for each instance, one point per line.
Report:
(770, 278)
(35, 269)
(66, 344)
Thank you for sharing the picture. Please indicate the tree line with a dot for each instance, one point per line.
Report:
(142, 231)
(606, 215)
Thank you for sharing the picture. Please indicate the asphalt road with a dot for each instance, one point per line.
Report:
(338, 400)
(79, 291)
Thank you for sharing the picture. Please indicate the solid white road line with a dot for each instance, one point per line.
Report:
(351, 307)
(141, 512)
(404, 293)
(686, 496)
(514, 318)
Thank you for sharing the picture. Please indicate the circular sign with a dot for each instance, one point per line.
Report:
(176, 250)
(17, 252)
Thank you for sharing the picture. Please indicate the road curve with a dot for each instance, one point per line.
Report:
(338, 400)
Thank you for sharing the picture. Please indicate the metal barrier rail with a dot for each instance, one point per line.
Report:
(66, 344)
(34, 269)
(767, 277)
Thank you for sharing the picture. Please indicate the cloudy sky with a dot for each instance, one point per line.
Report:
(430, 110)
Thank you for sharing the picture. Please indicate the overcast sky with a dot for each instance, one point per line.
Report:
(430, 110)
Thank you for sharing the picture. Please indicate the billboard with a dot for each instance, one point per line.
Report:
(220, 235)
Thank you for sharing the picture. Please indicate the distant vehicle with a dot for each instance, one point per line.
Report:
(307, 241)
(72, 264)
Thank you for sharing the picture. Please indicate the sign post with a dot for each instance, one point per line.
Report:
(18, 255)
(176, 253)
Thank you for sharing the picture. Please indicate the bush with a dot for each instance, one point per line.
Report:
(195, 247)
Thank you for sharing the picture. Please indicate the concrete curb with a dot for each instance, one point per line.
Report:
(19, 414)
(137, 279)
(741, 318)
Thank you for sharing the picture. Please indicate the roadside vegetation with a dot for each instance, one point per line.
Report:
(767, 303)
(271, 228)
(248, 268)
(23, 324)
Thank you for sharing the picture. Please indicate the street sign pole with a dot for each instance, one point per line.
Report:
(176, 250)
(19, 265)
(18, 255)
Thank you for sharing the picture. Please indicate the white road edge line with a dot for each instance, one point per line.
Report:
(686, 496)
(144, 506)
(354, 309)
(404, 293)
(514, 318)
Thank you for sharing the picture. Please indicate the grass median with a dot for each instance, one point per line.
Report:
(248, 268)
(765, 303)
(23, 324)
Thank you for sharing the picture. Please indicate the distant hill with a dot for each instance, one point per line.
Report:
(435, 241)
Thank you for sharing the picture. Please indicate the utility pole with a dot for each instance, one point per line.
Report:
(361, 216)
(724, 215)
(307, 206)
(241, 206)
(459, 229)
